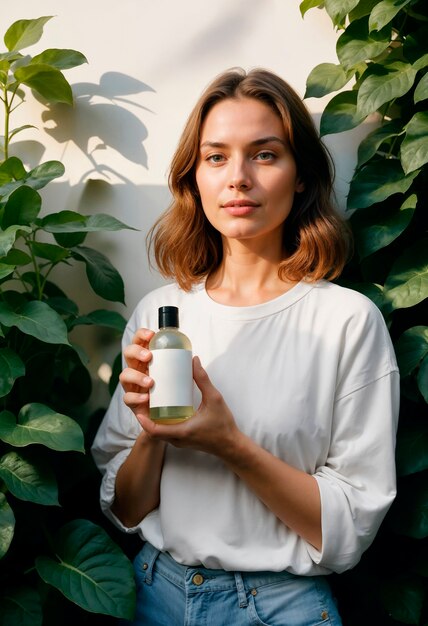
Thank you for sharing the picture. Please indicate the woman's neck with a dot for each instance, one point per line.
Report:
(246, 278)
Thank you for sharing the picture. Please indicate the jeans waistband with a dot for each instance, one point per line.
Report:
(199, 579)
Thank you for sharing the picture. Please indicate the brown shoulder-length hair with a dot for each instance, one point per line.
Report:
(187, 247)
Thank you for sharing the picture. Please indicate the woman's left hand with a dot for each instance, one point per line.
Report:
(211, 429)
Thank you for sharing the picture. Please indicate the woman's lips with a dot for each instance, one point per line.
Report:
(239, 208)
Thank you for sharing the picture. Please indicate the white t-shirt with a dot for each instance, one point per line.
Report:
(310, 376)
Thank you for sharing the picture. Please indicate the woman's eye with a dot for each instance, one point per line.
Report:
(265, 156)
(215, 158)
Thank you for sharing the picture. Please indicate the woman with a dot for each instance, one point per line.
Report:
(286, 469)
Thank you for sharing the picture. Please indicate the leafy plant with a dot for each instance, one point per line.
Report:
(44, 382)
(383, 50)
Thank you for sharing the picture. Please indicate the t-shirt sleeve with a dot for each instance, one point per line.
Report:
(357, 481)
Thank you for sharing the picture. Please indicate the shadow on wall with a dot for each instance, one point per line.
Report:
(97, 121)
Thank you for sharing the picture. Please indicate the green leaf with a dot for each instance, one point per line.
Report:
(104, 279)
(340, 114)
(93, 572)
(414, 149)
(37, 319)
(62, 59)
(22, 207)
(411, 348)
(309, 4)
(20, 606)
(376, 182)
(48, 81)
(8, 237)
(324, 79)
(11, 368)
(57, 224)
(356, 44)
(39, 424)
(384, 12)
(363, 8)
(423, 379)
(403, 598)
(7, 525)
(25, 33)
(15, 131)
(108, 319)
(17, 257)
(371, 144)
(14, 168)
(29, 478)
(61, 223)
(412, 447)
(383, 83)
(374, 231)
(6, 270)
(407, 282)
(421, 91)
(49, 251)
(338, 9)
(36, 178)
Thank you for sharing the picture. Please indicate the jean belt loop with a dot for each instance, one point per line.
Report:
(242, 596)
(150, 558)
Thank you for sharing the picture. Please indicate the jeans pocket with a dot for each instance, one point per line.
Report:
(300, 601)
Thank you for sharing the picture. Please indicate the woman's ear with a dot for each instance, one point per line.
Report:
(300, 186)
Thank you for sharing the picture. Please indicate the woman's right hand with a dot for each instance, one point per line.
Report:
(134, 378)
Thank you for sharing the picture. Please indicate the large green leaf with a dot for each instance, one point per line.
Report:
(6, 270)
(11, 368)
(414, 149)
(22, 207)
(376, 182)
(8, 237)
(25, 33)
(38, 423)
(411, 348)
(356, 44)
(108, 319)
(50, 251)
(57, 224)
(37, 319)
(29, 478)
(105, 280)
(421, 91)
(373, 141)
(62, 223)
(46, 80)
(374, 231)
(338, 9)
(384, 12)
(36, 178)
(363, 8)
(383, 83)
(20, 606)
(340, 114)
(325, 78)
(14, 168)
(92, 571)
(7, 525)
(309, 4)
(62, 59)
(407, 282)
(17, 257)
(403, 598)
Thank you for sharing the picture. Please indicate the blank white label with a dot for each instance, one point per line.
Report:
(171, 370)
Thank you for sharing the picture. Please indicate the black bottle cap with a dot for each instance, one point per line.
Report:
(168, 316)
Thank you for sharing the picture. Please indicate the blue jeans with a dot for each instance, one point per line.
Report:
(170, 594)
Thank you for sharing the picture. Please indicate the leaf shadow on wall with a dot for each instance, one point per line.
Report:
(98, 122)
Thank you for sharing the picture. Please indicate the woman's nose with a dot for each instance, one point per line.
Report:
(239, 177)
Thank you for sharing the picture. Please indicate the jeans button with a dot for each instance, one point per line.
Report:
(197, 579)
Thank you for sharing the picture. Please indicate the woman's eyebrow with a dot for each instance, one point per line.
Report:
(257, 142)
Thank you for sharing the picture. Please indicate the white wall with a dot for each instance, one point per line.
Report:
(147, 63)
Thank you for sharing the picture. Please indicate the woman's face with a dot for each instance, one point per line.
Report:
(246, 173)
